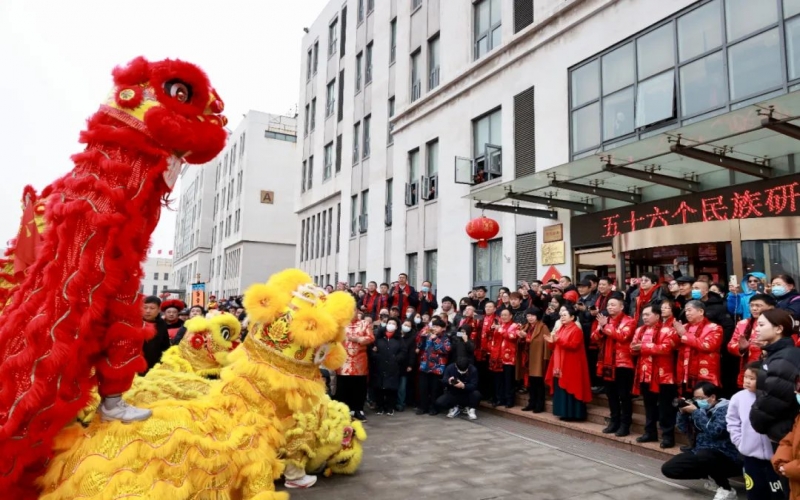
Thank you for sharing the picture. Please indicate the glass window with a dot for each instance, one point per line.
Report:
(585, 84)
(393, 43)
(772, 257)
(793, 47)
(431, 267)
(488, 267)
(433, 63)
(699, 31)
(746, 16)
(411, 262)
(332, 37)
(356, 142)
(368, 66)
(791, 8)
(703, 85)
(353, 214)
(364, 201)
(358, 72)
(754, 65)
(618, 114)
(413, 165)
(487, 26)
(655, 51)
(366, 147)
(326, 171)
(586, 127)
(618, 69)
(432, 164)
(655, 99)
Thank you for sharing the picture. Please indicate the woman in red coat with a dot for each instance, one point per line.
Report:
(742, 343)
(568, 371)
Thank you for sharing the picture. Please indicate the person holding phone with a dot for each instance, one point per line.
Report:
(739, 297)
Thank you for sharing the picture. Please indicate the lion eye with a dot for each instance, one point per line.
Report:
(226, 333)
(182, 92)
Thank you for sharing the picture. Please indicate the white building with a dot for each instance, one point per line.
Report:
(156, 277)
(251, 222)
(466, 84)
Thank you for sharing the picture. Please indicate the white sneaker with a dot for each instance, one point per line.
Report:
(117, 409)
(454, 412)
(710, 485)
(302, 483)
(471, 414)
(723, 494)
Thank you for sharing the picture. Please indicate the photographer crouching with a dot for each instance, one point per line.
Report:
(460, 389)
(713, 456)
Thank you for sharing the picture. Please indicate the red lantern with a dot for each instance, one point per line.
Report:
(482, 229)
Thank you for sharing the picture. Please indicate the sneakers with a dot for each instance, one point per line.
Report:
(390, 413)
(454, 412)
(302, 483)
(723, 494)
(379, 412)
(710, 485)
(471, 414)
(114, 408)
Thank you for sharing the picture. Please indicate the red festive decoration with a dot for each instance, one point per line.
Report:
(482, 229)
(198, 341)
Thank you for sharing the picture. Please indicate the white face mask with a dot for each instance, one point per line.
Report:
(391, 328)
(406, 329)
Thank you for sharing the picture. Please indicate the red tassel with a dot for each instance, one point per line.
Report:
(483, 244)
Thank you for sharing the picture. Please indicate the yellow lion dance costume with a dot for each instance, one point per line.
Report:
(268, 412)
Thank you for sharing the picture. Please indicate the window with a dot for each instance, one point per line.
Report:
(330, 105)
(313, 113)
(316, 56)
(310, 172)
(487, 20)
(155, 276)
(356, 141)
(155, 290)
(360, 11)
(330, 229)
(488, 266)
(324, 232)
(363, 219)
(358, 72)
(412, 186)
(280, 137)
(343, 38)
(351, 279)
(523, 14)
(431, 267)
(317, 238)
(236, 221)
(392, 41)
(305, 122)
(333, 30)
(328, 161)
(338, 228)
(415, 4)
(340, 112)
(166, 276)
(416, 88)
(302, 241)
(411, 266)
(387, 209)
(310, 63)
(433, 63)
(370, 6)
(367, 121)
(353, 214)
(368, 65)
(389, 124)
(430, 181)
(487, 160)
(338, 153)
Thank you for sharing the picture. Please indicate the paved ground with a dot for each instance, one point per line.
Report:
(422, 457)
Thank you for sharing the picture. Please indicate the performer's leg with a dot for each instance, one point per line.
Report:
(115, 375)
(296, 477)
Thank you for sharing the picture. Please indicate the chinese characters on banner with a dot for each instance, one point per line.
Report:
(772, 198)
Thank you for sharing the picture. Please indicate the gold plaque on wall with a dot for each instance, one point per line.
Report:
(554, 233)
(553, 253)
(268, 197)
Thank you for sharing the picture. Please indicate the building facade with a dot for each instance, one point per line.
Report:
(424, 112)
(157, 275)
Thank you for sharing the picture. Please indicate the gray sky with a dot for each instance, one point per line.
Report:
(56, 58)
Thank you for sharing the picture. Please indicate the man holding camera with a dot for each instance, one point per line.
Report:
(714, 456)
(460, 389)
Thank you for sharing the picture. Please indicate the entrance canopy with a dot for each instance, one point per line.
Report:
(749, 144)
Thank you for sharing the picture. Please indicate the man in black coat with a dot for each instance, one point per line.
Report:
(153, 348)
(460, 380)
(389, 354)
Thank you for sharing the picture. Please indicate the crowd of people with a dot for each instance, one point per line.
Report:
(690, 348)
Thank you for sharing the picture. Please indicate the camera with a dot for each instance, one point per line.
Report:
(683, 402)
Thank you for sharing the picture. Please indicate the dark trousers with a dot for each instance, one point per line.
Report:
(458, 397)
(430, 388)
(702, 464)
(352, 391)
(764, 483)
(536, 393)
(658, 408)
(620, 401)
(484, 378)
(504, 385)
(386, 399)
(591, 358)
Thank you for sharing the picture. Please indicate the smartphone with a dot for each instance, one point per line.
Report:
(761, 286)
(593, 308)
(734, 281)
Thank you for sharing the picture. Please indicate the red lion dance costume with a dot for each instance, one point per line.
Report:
(75, 320)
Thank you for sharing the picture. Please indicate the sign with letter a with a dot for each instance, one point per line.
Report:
(267, 197)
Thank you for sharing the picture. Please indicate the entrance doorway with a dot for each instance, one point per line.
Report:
(713, 259)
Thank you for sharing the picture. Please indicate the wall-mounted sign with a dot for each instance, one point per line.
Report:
(770, 198)
(554, 233)
(551, 274)
(553, 253)
(199, 294)
(268, 197)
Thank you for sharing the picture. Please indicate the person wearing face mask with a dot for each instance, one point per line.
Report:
(389, 354)
(427, 299)
(410, 313)
(407, 388)
(714, 456)
(460, 381)
(684, 290)
(785, 292)
(433, 349)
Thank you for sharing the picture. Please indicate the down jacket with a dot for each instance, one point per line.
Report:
(775, 408)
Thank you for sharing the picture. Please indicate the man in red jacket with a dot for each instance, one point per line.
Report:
(615, 363)
(403, 294)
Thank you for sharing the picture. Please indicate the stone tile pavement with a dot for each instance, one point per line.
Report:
(423, 457)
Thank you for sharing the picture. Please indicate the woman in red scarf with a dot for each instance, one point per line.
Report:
(568, 371)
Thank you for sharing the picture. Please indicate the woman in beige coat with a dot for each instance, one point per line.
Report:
(538, 355)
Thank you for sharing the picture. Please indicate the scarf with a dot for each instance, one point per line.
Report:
(642, 300)
(650, 336)
(607, 366)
